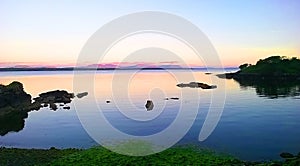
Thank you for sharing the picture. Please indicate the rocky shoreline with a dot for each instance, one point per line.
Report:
(13, 98)
(250, 76)
(15, 104)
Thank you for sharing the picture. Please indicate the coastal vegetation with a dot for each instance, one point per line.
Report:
(273, 77)
(180, 155)
(274, 65)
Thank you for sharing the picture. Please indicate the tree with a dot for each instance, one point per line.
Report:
(243, 66)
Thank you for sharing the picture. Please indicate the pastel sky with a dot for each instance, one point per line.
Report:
(52, 33)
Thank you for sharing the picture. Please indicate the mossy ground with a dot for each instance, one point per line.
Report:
(186, 155)
(19, 157)
(172, 156)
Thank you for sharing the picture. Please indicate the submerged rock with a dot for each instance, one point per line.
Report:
(149, 105)
(196, 85)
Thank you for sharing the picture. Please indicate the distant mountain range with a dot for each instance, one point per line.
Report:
(104, 66)
(18, 68)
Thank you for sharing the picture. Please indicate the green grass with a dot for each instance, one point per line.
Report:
(172, 156)
(20, 157)
(183, 155)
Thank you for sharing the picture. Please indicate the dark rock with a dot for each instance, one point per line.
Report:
(107, 101)
(196, 85)
(52, 97)
(15, 104)
(226, 75)
(149, 105)
(53, 106)
(67, 107)
(81, 95)
(13, 96)
(57, 96)
(35, 106)
(174, 98)
(208, 73)
(286, 155)
(166, 98)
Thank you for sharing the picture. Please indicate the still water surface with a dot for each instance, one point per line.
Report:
(257, 123)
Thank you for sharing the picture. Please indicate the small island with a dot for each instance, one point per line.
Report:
(271, 68)
(273, 77)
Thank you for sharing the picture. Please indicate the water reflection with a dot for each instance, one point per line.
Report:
(272, 88)
(14, 121)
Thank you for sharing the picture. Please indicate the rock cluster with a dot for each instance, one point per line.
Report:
(51, 98)
(15, 104)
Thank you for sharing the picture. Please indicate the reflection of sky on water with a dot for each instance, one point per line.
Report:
(248, 128)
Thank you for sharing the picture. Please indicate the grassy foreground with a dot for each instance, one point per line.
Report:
(102, 156)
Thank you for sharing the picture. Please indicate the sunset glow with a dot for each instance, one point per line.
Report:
(52, 33)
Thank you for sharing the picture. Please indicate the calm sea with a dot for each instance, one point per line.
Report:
(258, 121)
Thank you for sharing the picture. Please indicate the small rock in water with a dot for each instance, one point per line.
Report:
(166, 98)
(174, 98)
(107, 101)
(286, 155)
(196, 85)
(66, 107)
(149, 105)
(53, 106)
(81, 95)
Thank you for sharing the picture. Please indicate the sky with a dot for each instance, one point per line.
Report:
(52, 33)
